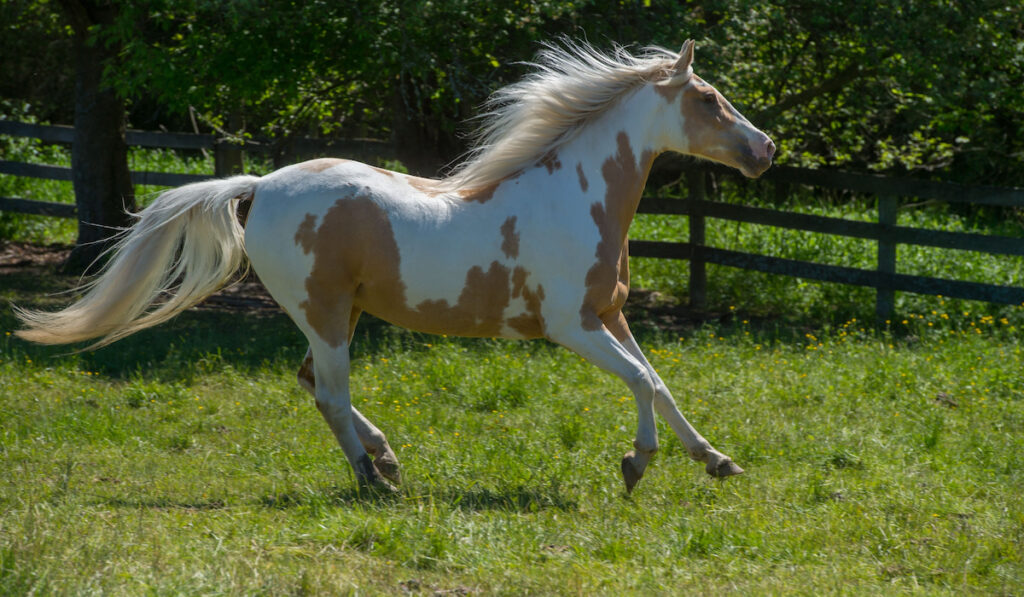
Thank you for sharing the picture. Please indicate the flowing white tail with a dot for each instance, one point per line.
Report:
(184, 247)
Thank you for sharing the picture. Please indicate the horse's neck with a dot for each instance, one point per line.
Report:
(614, 156)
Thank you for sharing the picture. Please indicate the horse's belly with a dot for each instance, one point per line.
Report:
(490, 302)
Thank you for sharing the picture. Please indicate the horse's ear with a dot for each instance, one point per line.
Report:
(682, 69)
(685, 58)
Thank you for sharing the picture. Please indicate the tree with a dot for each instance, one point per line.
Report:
(928, 86)
(99, 154)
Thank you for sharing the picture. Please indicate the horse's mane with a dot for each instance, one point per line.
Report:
(571, 84)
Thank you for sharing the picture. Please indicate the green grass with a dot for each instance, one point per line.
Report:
(186, 460)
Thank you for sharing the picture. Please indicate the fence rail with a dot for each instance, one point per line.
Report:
(885, 231)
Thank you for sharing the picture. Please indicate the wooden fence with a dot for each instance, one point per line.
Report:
(885, 232)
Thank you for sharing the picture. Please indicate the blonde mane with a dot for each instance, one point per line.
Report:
(569, 87)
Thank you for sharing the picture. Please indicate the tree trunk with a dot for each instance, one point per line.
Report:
(99, 155)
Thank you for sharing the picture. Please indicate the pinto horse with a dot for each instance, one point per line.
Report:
(526, 239)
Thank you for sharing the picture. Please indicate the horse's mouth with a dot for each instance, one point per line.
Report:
(754, 168)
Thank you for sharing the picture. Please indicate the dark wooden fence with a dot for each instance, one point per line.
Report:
(227, 153)
(885, 232)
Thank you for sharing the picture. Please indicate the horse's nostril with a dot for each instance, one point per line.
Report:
(769, 148)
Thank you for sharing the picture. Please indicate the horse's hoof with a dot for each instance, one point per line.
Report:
(723, 468)
(388, 468)
(630, 474)
(369, 477)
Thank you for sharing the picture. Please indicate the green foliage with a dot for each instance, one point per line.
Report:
(925, 86)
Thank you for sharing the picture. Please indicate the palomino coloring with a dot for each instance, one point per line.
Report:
(527, 239)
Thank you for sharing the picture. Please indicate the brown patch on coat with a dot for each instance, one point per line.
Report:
(550, 161)
(243, 207)
(427, 186)
(531, 323)
(510, 238)
(432, 188)
(607, 281)
(480, 307)
(584, 183)
(305, 236)
(356, 267)
(668, 91)
(485, 193)
(480, 194)
(355, 255)
(319, 164)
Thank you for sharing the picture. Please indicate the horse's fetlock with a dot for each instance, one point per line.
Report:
(700, 453)
(648, 450)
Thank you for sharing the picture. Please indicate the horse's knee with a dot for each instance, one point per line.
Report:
(641, 383)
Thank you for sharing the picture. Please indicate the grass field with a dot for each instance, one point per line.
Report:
(186, 460)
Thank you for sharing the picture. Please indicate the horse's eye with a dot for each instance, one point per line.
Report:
(709, 98)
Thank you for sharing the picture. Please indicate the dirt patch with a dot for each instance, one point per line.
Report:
(19, 257)
(24, 259)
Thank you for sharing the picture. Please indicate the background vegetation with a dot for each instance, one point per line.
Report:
(922, 86)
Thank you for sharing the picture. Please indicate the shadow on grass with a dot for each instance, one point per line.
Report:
(159, 503)
(512, 499)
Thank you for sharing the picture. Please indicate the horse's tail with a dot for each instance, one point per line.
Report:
(184, 246)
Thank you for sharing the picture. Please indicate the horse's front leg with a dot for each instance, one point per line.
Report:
(699, 449)
(603, 349)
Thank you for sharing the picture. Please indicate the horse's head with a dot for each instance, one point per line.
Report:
(711, 127)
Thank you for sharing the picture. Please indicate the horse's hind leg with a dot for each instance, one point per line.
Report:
(333, 400)
(372, 438)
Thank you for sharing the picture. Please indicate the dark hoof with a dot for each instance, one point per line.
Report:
(370, 478)
(630, 475)
(378, 488)
(389, 469)
(724, 468)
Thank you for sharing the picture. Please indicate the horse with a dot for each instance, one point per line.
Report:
(526, 238)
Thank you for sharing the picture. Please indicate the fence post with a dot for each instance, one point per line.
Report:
(885, 298)
(228, 158)
(698, 273)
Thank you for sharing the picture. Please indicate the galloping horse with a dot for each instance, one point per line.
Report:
(526, 239)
